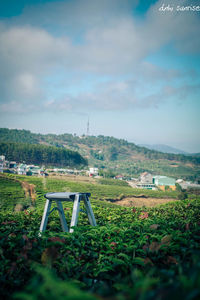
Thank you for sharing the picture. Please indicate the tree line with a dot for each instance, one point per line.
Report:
(41, 154)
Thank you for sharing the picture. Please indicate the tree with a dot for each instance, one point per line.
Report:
(113, 153)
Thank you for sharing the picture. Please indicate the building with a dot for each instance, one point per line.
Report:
(147, 186)
(146, 178)
(2, 163)
(119, 177)
(164, 181)
(93, 171)
(22, 169)
(12, 165)
(35, 170)
(185, 185)
(145, 182)
(2, 158)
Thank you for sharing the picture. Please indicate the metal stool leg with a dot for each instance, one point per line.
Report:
(45, 216)
(75, 212)
(89, 211)
(62, 216)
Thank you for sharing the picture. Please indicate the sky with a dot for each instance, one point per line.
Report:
(132, 68)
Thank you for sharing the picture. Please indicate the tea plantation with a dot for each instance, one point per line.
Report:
(133, 253)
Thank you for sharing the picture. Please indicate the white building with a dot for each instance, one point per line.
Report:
(22, 169)
(146, 178)
(93, 171)
(2, 163)
(2, 158)
(188, 185)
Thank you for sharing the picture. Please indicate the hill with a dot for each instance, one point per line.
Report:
(41, 154)
(164, 148)
(112, 155)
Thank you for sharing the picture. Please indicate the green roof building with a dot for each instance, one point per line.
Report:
(164, 180)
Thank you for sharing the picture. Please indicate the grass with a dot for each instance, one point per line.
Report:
(11, 193)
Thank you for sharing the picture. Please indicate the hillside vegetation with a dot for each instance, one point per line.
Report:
(115, 155)
(41, 154)
(132, 253)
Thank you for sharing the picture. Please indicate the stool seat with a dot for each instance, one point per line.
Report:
(66, 196)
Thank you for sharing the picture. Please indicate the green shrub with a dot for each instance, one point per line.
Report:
(46, 285)
(182, 195)
(132, 253)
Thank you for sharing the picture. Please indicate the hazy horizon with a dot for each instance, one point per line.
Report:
(131, 67)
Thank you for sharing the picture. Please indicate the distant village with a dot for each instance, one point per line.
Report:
(19, 168)
(145, 180)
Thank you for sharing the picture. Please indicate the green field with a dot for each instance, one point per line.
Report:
(11, 193)
(133, 253)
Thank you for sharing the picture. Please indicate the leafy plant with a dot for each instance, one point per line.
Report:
(133, 253)
(46, 285)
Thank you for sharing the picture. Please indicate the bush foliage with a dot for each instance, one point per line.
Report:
(133, 253)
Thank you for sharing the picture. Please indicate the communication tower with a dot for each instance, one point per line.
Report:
(88, 127)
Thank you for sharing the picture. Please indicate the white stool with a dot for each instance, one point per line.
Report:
(58, 198)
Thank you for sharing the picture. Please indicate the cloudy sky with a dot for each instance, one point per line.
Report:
(131, 67)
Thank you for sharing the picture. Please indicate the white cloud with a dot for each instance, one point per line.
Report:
(27, 55)
(134, 93)
(75, 16)
(28, 48)
(97, 37)
(179, 28)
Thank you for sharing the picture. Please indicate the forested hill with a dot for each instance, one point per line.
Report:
(118, 155)
(115, 147)
(41, 154)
